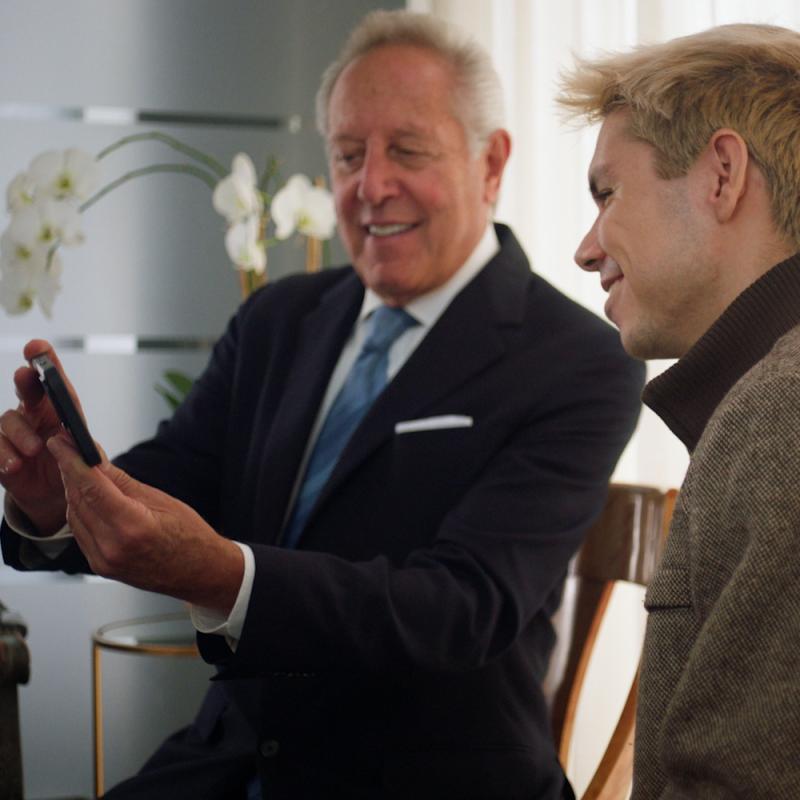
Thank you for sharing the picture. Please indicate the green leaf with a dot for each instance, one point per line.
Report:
(180, 381)
(179, 385)
(172, 400)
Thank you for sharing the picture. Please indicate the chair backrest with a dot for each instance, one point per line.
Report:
(14, 669)
(623, 545)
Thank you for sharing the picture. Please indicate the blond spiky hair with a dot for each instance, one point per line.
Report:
(744, 77)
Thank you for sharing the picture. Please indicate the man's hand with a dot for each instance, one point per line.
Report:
(141, 536)
(27, 470)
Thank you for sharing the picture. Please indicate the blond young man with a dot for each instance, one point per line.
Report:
(696, 177)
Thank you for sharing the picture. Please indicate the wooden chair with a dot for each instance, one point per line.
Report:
(623, 545)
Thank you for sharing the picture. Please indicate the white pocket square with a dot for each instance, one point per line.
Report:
(433, 423)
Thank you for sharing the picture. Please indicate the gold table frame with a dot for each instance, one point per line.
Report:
(151, 645)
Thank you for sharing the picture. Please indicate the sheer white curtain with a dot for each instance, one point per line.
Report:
(545, 197)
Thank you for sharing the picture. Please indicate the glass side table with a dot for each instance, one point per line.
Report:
(161, 635)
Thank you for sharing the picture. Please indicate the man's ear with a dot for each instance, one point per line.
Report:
(495, 156)
(727, 159)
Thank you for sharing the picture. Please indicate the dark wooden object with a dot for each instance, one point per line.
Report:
(623, 545)
(14, 670)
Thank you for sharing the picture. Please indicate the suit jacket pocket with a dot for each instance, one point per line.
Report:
(669, 589)
(454, 450)
(435, 467)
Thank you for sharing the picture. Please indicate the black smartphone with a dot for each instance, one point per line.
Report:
(67, 412)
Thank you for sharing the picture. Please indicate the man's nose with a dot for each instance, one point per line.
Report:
(590, 255)
(378, 180)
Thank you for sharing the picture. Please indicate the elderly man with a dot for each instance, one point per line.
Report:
(696, 176)
(371, 495)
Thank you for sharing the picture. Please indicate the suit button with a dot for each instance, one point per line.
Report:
(269, 748)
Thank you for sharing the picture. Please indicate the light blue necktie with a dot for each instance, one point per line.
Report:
(364, 383)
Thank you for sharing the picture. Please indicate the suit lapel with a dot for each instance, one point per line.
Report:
(473, 325)
(320, 341)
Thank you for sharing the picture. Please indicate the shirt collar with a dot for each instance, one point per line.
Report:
(430, 306)
(688, 393)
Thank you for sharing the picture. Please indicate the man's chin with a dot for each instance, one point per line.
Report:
(392, 292)
(646, 345)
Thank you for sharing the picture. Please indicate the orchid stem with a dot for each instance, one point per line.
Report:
(186, 169)
(170, 141)
(50, 256)
(270, 172)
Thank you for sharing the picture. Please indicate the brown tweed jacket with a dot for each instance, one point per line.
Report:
(719, 709)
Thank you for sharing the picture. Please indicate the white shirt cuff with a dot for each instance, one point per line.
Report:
(49, 546)
(207, 621)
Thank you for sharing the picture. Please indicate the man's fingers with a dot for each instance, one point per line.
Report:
(96, 508)
(111, 518)
(101, 492)
(18, 437)
(82, 484)
(129, 486)
(73, 468)
(67, 456)
(28, 388)
(41, 347)
(103, 497)
(10, 460)
(26, 381)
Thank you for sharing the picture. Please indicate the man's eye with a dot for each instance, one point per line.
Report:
(409, 154)
(347, 160)
(602, 197)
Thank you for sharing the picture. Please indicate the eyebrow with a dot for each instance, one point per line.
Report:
(342, 138)
(398, 133)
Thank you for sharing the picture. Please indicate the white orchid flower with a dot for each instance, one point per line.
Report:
(21, 252)
(245, 246)
(21, 192)
(21, 283)
(237, 197)
(47, 223)
(65, 175)
(302, 206)
(50, 285)
(16, 290)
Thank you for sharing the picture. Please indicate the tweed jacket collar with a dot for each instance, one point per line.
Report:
(687, 394)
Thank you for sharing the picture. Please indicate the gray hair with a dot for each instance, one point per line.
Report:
(478, 95)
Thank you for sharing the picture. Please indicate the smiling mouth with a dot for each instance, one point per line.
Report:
(391, 229)
(607, 282)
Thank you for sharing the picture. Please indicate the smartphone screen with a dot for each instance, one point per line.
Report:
(70, 418)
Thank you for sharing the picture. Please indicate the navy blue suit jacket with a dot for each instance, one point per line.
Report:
(399, 651)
